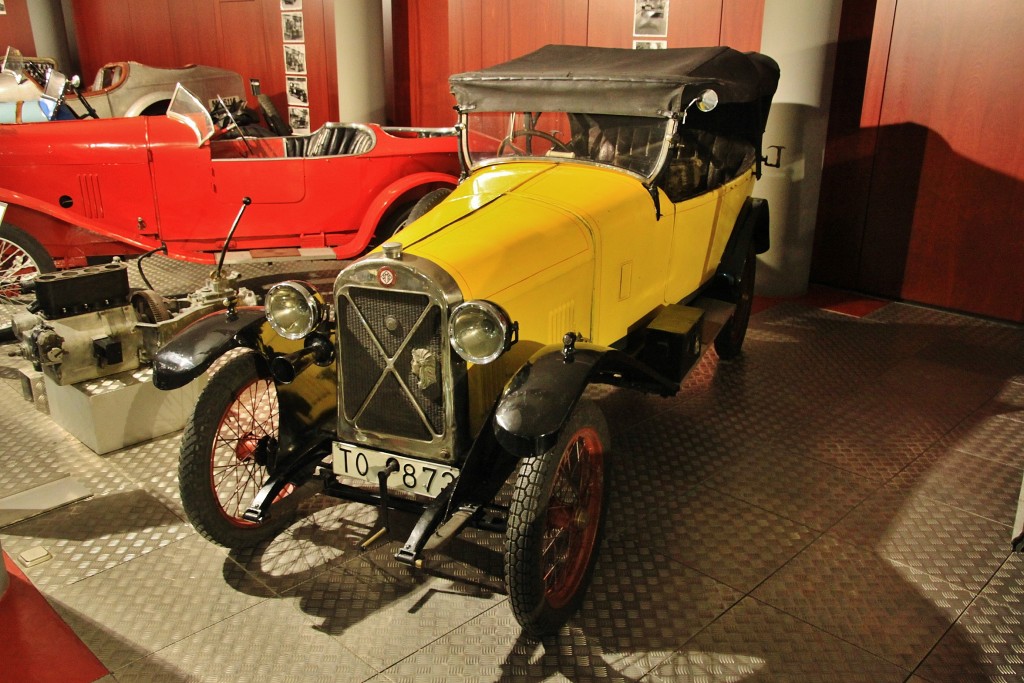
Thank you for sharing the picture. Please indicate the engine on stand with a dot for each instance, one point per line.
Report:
(87, 322)
(90, 338)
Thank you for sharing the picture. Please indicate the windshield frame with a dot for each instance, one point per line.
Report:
(187, 109)
(472, 162)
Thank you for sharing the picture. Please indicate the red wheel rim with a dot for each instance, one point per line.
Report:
(573, 518)
(236, 476)
(15, 264)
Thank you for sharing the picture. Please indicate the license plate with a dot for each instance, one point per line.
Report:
(413, 475)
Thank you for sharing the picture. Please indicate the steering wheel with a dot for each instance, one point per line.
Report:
(530, 133)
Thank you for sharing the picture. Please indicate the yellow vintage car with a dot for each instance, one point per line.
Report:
(603, 232)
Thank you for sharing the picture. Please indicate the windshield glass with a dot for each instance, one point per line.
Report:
(631, 143)
(14, 64)
(186, 108)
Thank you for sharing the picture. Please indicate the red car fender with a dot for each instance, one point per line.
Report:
(394, 194)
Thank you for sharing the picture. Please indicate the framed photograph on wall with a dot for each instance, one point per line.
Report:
(298, 90)
(3, 6)
(650, 18)
(294, 58)
(291, 4)
(650, 44)
(298, 119)
(292, 29)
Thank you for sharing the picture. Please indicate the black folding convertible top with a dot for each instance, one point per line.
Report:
(601, 80)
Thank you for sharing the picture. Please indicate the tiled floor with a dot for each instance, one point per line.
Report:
(834, 506)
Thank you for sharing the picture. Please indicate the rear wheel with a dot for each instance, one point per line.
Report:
(21, 257)
(227, 454)
(389, 225)
(428, 202)
(729, 341)
(555, 524)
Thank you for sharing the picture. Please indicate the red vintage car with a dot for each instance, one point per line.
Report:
(74, 191)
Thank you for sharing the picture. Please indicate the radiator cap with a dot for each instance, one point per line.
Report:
(392, 250)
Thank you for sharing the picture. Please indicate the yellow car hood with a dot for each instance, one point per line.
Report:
(500, 227)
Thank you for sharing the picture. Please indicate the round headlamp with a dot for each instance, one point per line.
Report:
(480, 331)
(294, 309)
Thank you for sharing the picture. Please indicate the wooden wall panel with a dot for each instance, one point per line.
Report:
(240, 35)
(691, 23)
(923, 191)
(486, 32)
(16, 30)
(742, 21)
(849, 152)
(430, 103)
(953, 70)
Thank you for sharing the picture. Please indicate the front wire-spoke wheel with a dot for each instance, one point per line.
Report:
(22, 257)
(555, 524)
(228, 452)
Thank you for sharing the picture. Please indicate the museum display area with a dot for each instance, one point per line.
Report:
(538, 422)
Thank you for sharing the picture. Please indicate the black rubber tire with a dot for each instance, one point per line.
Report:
(729, 341)
(14, 241)
(270, 115)
(389, 225)
(216, 495)
(428, 202)
(156, 109)
(545, 592)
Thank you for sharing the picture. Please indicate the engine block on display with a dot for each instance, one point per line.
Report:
(88, 323)
(84, 324)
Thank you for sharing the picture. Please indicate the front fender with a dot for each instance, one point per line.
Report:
(537, 401)
(195, 348)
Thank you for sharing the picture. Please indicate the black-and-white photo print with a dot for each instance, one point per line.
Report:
(650, 17)
(3, 6)
(650, 44)
(294, 58)
(298, 92)
(298, 119)
(291, 4)
(291, 27)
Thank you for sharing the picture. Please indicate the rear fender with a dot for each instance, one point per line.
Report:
(194, 349)
(538, 400)
(751, 224)
(403, 191)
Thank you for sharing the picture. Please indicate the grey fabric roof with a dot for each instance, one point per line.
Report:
(600, 80)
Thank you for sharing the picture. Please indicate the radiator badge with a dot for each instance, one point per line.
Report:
(424, 366)
(386, 276)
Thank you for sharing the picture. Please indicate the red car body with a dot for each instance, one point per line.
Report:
(127, 186)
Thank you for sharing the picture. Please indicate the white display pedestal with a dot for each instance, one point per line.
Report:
(120, 410)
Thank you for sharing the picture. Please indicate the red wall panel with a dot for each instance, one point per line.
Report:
(15, 29)
(240, 35)
(486, 32)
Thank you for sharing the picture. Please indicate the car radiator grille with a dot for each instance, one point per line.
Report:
(391, 353)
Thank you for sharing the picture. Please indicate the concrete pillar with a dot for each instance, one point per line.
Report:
(48, 32)
(359, 33)
(801, 35)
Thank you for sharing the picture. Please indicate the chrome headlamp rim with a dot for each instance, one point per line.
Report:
(497, 315)
(311, 297)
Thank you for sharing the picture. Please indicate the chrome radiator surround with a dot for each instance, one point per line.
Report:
(401, 388)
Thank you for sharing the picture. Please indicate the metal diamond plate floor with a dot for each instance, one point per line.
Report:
(835, 505)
